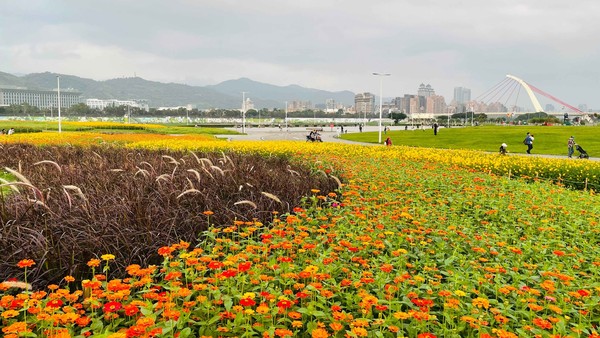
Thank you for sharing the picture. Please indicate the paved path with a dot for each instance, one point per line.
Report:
(328, 135)
(294, 134)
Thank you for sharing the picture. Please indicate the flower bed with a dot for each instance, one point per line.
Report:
(413, 245)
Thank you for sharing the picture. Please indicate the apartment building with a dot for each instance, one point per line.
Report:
(43, 99)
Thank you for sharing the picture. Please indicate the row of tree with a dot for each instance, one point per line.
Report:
(83, 110)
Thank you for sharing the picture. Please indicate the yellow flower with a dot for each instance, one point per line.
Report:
(107, 257)
(311, 269)
(401, 315)
(460, 293)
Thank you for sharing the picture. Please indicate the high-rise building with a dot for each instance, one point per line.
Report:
(425, 90)
(462, 95)
(294, 106)
(436, 105)
(364, 103)
(406, 103)
(44, 99)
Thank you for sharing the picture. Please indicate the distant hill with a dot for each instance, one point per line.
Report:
(227, 94)
(264, 91)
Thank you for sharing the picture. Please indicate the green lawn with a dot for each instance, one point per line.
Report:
(550, 140)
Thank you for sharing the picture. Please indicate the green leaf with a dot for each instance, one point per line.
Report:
(227, 302)
(185, 332)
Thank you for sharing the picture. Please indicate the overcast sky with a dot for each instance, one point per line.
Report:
(325, 44)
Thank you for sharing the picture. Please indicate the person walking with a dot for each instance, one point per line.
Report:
(571, 146)
(528, 141)
(435, 128)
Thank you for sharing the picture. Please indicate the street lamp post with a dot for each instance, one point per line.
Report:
(58, 92)
(472, 113)
(286, 112)
(244, 112)
(381, 75)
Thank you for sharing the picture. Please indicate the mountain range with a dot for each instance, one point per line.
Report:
(227, 94)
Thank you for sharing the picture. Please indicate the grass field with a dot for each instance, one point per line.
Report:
(550, 140)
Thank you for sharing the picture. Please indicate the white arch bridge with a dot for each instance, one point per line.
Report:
(506, 89)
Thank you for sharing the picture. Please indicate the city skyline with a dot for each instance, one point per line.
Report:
(327, 44)
(425, 101)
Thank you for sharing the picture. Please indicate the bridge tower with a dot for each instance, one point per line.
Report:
(534, 100)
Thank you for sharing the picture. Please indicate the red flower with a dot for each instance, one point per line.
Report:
(284, 304)
(245, 266)
(112, 307)
(301, 295)
(131, 310)
(583, 293)
(55, 303)
(381, 307)
(215, 265)
(230, 273)
(426, 335)
(247, 302)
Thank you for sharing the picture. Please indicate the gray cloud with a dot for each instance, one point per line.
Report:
(326, 44)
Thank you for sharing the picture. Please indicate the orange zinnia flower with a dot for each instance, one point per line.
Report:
(25, 263)
(93, 263)
(319, 333)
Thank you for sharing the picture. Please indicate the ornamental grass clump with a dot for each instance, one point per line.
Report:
(67, 204)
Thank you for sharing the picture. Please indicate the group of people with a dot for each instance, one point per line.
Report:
(528, 141)
(7, 132)
(314, 136)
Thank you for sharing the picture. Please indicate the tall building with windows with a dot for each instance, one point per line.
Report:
(462, 95)
(425, 90)
(43, 99)
(364, 103)
(294, 106)
(436, 105)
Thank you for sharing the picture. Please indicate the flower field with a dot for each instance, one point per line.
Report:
(417, 243)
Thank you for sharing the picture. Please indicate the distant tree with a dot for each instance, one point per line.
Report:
(459, 116)
(529, 116)
(542, 120)
(115, 111)
(22, 109)
(252, 113)
(80, 109)
(397, 117)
